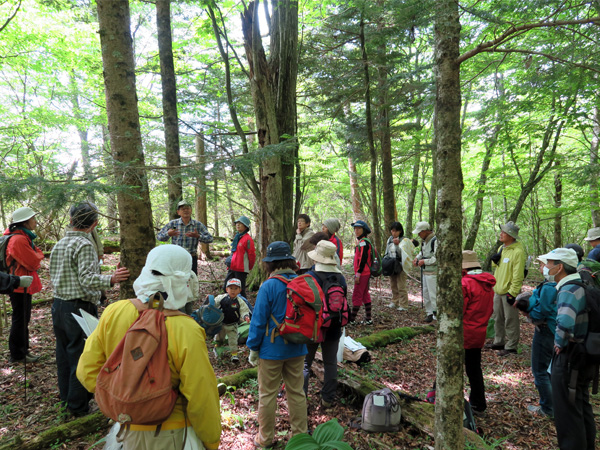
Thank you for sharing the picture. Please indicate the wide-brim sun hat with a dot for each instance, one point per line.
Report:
(565, 255)
(244, 221)
(324, 253)
(421, 226)
(593, 234)
(22, 214)
(278, 251)
(511, 228)
(470, 260)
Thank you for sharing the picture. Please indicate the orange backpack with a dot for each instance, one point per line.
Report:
(134, 384)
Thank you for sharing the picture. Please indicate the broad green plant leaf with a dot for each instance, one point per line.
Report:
(328, 431)
(337, 445)
(302, 442)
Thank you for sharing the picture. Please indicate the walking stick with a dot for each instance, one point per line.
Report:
(26, 337)
(422, 298)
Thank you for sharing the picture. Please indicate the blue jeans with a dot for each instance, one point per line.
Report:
(70, 340)
(541, 354)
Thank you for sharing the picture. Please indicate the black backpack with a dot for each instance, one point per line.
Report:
(4, 267)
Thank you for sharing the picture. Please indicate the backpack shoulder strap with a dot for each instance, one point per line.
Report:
(433, 239)
(281, 278)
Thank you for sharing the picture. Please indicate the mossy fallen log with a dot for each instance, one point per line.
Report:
(61, 433)
(236, 380)
(386, 337)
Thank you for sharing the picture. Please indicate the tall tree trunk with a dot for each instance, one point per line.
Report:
(557, 206)
(111, 201)
(370, 137)
(595, 167)
(201, 202)
(216, 204)
(412, 193)
(450, 354)
(357, 209)
(169, 103)
(273, 87)
(81, 131)
(137, 234)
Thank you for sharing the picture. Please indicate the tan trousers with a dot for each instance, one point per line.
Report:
(231, 332)
(166, 439)
(507, 325)
(270, 374)
(399, 290)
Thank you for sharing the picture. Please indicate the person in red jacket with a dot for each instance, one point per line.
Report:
(478, 306)
(363, 258)
(23, 259)
(331, 226)
(243, 254)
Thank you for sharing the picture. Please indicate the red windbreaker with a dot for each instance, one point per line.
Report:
(478, 307)
(245, 255)
(24, 260)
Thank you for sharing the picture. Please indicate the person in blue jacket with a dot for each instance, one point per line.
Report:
(275, 358)
(540, 306)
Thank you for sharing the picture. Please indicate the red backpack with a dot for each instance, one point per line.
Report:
(335, 306)
(303, 314)
(134, 384)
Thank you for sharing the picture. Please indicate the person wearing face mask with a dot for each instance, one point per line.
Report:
(510, 272)
(539, 306)
(573, 414)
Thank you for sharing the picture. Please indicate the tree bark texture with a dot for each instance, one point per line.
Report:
(594, 185)
(137, 234)
(111, 200)
(557, 205)
(370, 139)
(201, 201)
(450, 355)
(273, 88)
(169, 103)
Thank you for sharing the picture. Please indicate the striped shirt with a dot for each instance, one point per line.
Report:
(74, 269)
(571, 316)
(189, 243)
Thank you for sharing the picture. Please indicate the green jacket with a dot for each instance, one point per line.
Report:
(510, 271)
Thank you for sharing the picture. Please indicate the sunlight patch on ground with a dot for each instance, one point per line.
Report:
(8, 372)
(508, 378)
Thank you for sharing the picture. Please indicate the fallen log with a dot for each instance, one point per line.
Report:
(387, 337)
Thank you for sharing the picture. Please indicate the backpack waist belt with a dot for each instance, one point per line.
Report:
(168, 425)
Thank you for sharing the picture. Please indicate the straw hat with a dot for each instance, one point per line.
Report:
(324, 253)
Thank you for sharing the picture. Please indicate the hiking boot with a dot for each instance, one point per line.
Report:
(29, 358)
(429, 318)
(235, 359)
(367, 322)
(507, 352)
(325, 404)
(495, 346)
(537, 410)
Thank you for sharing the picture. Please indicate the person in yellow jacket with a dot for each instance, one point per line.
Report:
(510, 272)
(167, 270)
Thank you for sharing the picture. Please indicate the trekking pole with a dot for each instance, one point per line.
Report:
(422, 297)
(26, 338)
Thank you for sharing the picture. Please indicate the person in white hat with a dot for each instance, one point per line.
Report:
(334, 286)
(186, 232)
(593, 238)
(510, 273)
(573, 414)
(167, 270)
(234, 308)
(23, 259)
(427, 260)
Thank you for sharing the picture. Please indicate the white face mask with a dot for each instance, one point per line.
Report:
(546, 273)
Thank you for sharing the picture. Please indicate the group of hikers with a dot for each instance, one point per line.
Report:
(169, 281)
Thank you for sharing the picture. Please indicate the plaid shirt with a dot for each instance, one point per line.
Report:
(189, 243)
(74, 269)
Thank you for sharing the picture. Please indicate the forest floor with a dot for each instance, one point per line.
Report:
(408, 366)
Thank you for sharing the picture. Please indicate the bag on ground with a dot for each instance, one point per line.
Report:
(381, 411)
(303, 315)
(355, 352)
(134, 384)
(209, 317)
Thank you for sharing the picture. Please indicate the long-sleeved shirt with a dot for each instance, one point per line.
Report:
(510, 270)
(24, 258)
(223, 302)
(74, 269)
(304, 262)
(405, 250)
(427, 254)
(191, 371)
(571, 315)
(189, 243)
(542, 305)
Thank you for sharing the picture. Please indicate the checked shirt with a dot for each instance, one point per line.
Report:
(74, 269)
(189, 243)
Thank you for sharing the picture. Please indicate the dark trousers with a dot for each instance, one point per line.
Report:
(239, 275)
(70, 340)
(18, 340)
(575, 427)
(475, 375)
(542, 349)
(194, 263)
(329, 349)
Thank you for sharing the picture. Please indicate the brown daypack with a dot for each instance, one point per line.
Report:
(134, 384)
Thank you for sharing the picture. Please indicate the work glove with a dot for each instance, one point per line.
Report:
(25, 281)
(496, 258)
(253, 358)
(510, 299)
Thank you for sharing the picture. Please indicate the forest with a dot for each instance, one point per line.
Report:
(464, 114)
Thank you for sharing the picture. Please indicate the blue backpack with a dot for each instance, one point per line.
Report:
(209, 317)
